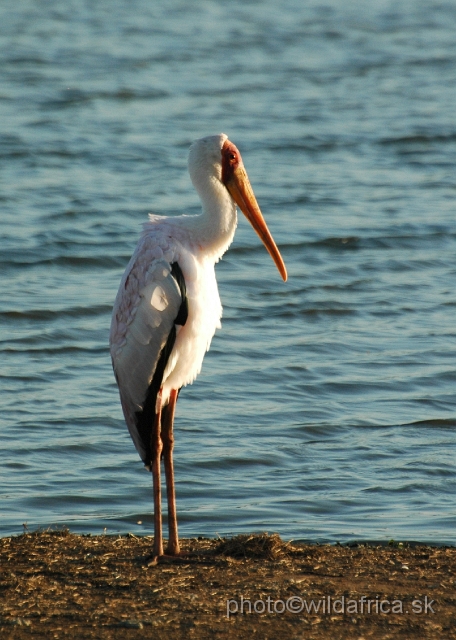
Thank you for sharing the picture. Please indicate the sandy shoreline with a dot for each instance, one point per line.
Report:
(62, 585)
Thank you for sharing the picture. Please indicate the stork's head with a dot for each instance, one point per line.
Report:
(216, 160)
(205, 160)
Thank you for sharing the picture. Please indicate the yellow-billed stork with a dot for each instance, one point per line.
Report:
(168, 308)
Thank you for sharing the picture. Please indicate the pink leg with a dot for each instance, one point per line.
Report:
(168, 445)
(157, 447)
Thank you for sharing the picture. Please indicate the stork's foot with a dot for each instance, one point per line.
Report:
(183, 557)
(179, 558)
(173, 548)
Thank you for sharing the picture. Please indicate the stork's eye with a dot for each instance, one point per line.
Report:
(232, 156)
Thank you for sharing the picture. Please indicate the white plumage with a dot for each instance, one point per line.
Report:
(168, 307)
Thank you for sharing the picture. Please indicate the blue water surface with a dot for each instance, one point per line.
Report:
(326, 408)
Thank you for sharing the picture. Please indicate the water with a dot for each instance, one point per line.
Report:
(326, 407)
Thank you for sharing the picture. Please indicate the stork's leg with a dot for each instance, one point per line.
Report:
(168, 445)
(157, 446)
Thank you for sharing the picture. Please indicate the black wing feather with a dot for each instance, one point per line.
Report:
(145, 418)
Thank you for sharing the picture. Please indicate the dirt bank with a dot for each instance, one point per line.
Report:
(61, 585)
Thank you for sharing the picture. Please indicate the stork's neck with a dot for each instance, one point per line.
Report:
(214, 228)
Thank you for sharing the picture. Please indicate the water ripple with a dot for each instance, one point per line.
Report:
(325, 408)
